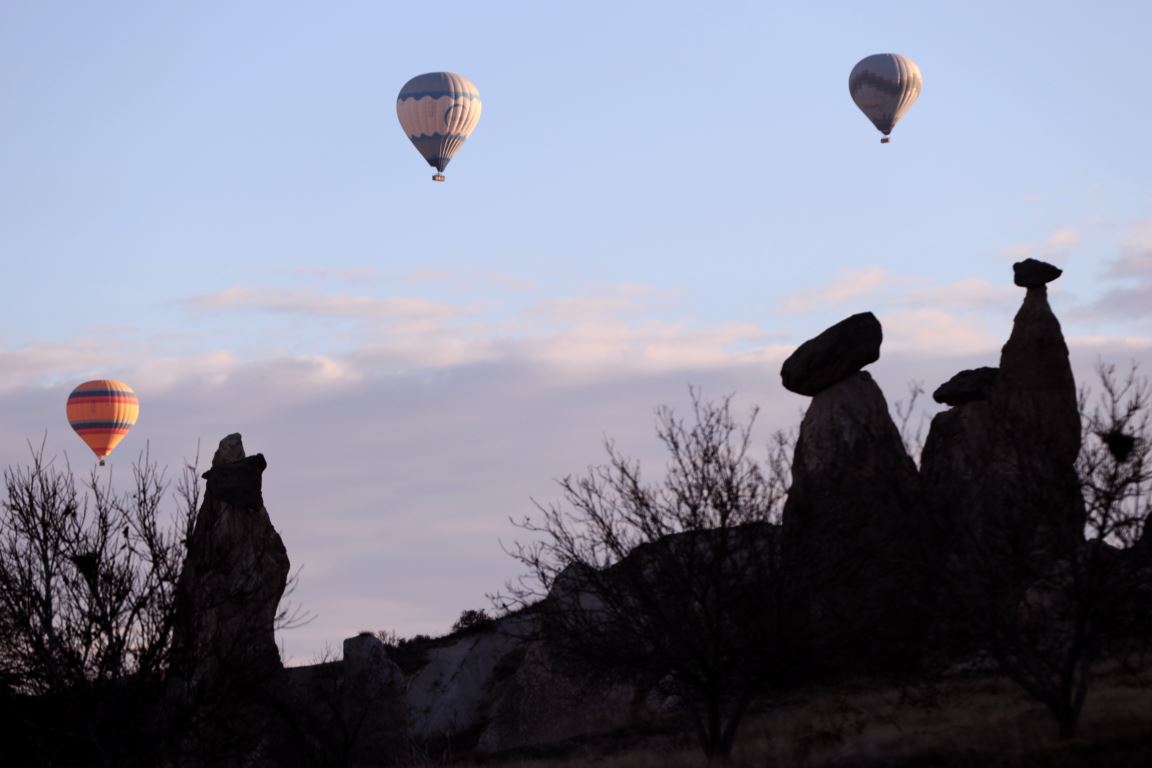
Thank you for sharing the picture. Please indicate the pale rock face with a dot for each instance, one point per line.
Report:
(452, 692)
(230, 450)
(545, 703)
(505, 686)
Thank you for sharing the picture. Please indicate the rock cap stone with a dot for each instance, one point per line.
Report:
(231, 449)
(1033, 273)
(968, 386)
(834, 355)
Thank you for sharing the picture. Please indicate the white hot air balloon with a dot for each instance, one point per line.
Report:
(884, 86)
(438, 111)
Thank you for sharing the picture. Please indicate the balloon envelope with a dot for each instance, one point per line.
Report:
(884, 86)
(438, 111)
(102, 411)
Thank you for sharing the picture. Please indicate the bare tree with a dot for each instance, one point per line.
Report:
(87, 589)
(911, 436)
(675, 585)
(1072, 613)
(87, 583)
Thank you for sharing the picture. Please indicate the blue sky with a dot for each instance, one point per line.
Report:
(214, 202)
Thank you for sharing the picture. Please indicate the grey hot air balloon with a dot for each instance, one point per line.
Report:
(438, 111)
(884, 86)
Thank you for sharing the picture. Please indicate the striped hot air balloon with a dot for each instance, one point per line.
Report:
(884, 86)
(438, 111)
(102, 411)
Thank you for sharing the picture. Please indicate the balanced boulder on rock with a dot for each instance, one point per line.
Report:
(1033, 273)
(966, 387)
(834, 355)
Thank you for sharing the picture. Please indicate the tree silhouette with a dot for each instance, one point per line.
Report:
(87, 594)
(1051, 619)
(675, 586)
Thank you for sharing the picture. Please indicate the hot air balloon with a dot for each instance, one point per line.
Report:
(884, 86)
(102, 411)
(438, 111)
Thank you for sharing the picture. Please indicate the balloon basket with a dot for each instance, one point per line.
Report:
(101, 462)
(437, 177)
(884, 139)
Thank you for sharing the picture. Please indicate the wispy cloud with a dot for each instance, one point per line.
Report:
(1055, 246)
(1130, 278)
(1135, 259)
(40, 362)
(602, 303)
(973, 292)
(399, 461)
(936, 333)
(310, 302)
(1110, 344)
(851, 284)
(617, 348)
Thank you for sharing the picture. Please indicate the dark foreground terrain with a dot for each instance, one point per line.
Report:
(971, 721)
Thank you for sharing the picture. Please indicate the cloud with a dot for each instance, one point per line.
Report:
(600, 303)
(614, 349)
(850, 284)
(1133, 262)
(1063, 238)
(309, 302)
(392, 468)
(1135, 259)
(973, 292)
(1110, 345)
(1128, 303)
(936, 333)
(166, 372)
(1130, 276)
(1054, 246)
(75, 359)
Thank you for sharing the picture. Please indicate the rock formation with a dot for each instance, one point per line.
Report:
(834, 355)
(372, 703)
(999, 473)
(452, 691)
(1032, 273)
(225, 657)
(544, 702)
(966, 387)
(348, 712)
(852, 528)
(234, 573)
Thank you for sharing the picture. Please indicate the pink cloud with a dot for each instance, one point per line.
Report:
(851, 284)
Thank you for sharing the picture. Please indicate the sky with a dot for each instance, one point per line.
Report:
(214, 202)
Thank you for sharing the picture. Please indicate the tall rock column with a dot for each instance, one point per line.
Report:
(999, 468)
(852, 529)
(226, 665)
